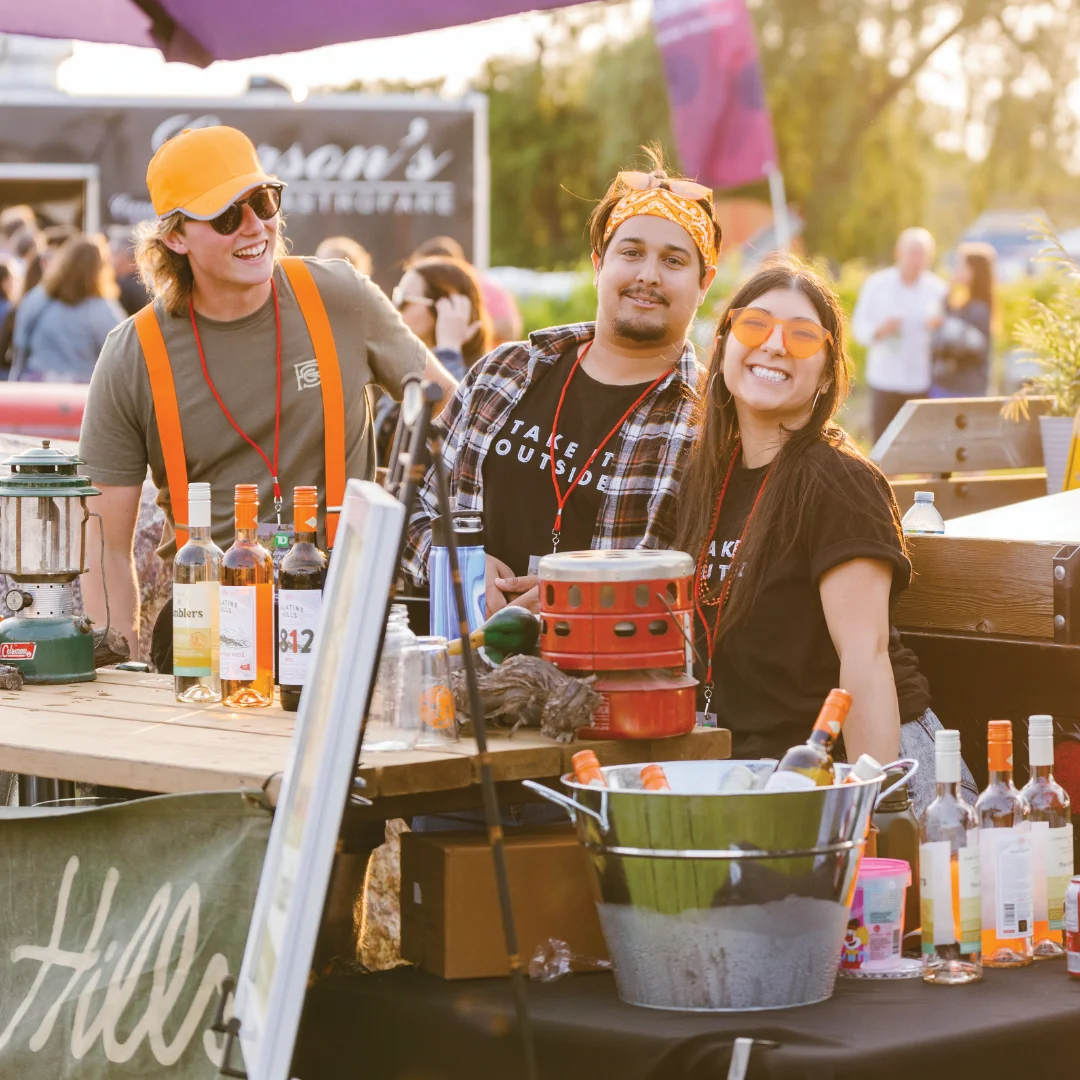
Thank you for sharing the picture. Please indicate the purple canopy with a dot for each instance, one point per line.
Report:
(202, 31)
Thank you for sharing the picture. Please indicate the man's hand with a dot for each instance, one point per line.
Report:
(525, 590)
(119, 509)
(889, 327)
(494, 571)
(503, 587)
(454, 324)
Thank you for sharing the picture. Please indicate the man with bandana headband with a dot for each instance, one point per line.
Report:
(577, 437)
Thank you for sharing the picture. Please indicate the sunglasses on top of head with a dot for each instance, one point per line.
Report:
(264, 201)
(399, 298)
(753, 326)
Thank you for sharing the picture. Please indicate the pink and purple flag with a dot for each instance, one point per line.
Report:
(722, 124)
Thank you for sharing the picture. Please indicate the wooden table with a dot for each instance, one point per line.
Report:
(127, 730)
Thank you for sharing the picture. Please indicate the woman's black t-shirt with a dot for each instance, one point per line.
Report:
(773, 671)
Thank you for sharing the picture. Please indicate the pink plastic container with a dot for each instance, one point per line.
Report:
(875, 933)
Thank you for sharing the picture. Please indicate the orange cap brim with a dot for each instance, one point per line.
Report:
(213, 202)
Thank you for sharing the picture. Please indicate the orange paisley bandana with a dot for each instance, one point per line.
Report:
(658, 202)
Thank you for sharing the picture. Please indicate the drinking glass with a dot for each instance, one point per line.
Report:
(438, 722)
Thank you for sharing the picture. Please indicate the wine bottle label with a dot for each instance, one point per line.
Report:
(949, 895)
(298, 625)
(195, 609)
(1007, 904)
(237, 630)
(1052, 858)
(969, 872)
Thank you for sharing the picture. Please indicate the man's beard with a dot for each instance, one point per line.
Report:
(642, 331)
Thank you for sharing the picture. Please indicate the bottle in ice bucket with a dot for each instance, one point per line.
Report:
(813, 758)
(587, 768)
(949, 885)
(653, 778)
(923, 518)
(247, 610)
(196, 580)
(300, 580)
(1051, 837)
(1008, 920)
(866, 768)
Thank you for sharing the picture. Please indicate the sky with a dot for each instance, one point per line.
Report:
(457, 54)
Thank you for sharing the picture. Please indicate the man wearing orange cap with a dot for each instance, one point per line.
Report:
(249, 366)
(577, 438)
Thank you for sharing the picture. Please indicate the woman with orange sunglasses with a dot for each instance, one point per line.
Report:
(799, 549)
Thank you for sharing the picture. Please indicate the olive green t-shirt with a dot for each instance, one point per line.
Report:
(119, 431)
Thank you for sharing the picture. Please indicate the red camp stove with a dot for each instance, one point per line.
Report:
(624, 616)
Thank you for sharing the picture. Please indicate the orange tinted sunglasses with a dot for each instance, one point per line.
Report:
(641, 181)
(752, 327)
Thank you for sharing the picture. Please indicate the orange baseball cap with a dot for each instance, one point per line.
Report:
(202, 170)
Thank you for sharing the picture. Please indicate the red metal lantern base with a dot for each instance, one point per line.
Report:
(643, 705)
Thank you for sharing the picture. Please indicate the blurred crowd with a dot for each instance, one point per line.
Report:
(63, 291)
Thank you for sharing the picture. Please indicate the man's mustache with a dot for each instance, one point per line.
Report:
(646, 294)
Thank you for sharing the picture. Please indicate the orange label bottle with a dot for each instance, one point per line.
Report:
(587, 768)
(247, 611)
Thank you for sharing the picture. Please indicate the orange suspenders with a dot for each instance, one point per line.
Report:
(163, 388)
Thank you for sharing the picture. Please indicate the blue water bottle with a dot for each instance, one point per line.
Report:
(469, 533)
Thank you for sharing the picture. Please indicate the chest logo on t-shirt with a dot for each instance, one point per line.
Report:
(719, 560)
(307, 374)
(529, 447)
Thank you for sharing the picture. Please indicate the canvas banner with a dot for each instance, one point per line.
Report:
(117, 925)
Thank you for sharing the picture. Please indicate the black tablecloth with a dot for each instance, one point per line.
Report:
(408, 1025)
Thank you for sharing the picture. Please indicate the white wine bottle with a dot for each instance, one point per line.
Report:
(196, 581)
(949, 880)
(1052, 839)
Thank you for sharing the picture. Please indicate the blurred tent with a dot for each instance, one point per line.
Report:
(202, 31)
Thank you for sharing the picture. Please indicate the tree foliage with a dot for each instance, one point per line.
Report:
(864, 147)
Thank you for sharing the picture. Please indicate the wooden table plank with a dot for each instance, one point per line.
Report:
(132, 736)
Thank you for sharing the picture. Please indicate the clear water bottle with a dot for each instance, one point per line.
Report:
(394, 716)
(923, 518)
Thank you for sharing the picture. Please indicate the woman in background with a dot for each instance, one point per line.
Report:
(441, 303)
(961, 344)
(61, 325)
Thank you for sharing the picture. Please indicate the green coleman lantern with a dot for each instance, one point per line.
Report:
(43, 518)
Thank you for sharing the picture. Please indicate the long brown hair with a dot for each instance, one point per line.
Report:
(797, 476)
(81, 269)
(445, 277)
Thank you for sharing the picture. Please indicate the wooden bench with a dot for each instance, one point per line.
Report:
(956, 445)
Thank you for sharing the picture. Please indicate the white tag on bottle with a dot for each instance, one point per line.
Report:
(298, 624)
(237, 631)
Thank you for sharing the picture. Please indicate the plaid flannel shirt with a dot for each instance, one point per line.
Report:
(638, 507)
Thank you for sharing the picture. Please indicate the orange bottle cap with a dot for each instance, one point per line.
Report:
(584, 758)
(305, 508)
(833, 712)
(247, 492)
(999, 745)
(654, 779)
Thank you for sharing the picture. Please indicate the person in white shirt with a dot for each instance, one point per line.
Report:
(895, 317)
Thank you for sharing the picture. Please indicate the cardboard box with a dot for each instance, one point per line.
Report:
(450, 918)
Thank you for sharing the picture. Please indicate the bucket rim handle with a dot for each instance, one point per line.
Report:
(571, 805)
(912, 767)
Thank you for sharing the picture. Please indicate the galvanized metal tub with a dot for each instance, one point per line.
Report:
(721, 902)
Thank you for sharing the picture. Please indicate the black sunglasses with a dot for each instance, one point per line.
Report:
(265, 201)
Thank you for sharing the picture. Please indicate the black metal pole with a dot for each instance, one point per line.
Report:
(487, 781)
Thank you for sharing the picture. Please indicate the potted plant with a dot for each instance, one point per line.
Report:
(1052, 334)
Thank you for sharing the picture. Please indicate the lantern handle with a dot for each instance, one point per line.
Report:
(104, 584)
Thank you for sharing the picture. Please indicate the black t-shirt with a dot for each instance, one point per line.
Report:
(519, 497)
(773, 671)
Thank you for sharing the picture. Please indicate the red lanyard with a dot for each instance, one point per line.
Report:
(278, 503)
(560, 498)
(700, 602)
